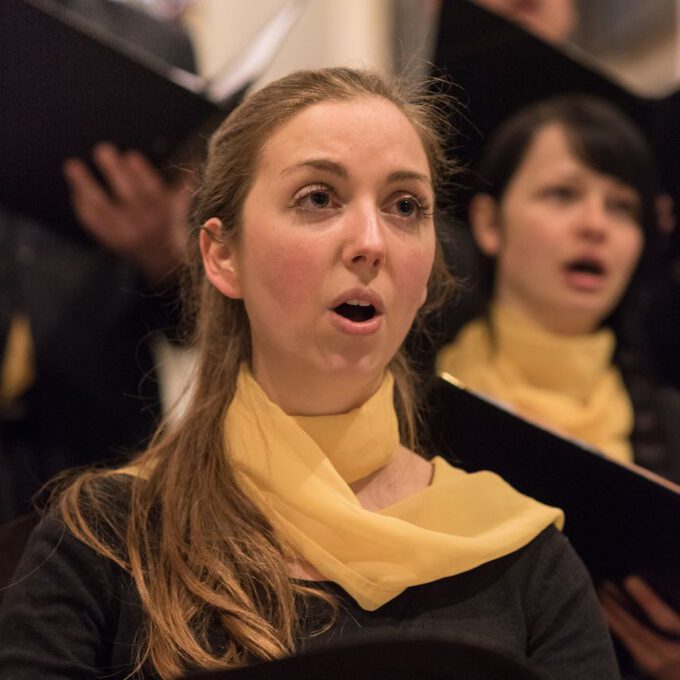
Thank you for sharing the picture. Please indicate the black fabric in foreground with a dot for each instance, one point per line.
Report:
(395, 658)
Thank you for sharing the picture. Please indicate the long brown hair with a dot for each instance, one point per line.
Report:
(200, 552)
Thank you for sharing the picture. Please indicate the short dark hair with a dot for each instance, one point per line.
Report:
(600, 135)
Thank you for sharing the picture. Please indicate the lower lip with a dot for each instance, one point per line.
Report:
(350, 327)
(585, 282)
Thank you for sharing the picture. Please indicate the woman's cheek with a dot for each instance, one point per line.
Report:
(292, 275)
(415, 272)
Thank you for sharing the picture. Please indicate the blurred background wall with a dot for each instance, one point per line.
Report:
(634, 40)
(329, 32)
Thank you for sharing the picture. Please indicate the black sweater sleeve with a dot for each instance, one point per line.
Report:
(567, 633)
(60, 615)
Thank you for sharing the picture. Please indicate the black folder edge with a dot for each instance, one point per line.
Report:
(67, 86)
(65, 15)
(620, 518)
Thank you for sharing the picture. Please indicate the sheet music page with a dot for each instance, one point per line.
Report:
(249, 65)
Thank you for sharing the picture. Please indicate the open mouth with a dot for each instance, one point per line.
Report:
(356, 310)
(586, 266)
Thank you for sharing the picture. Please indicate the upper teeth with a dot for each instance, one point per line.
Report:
(359, 303)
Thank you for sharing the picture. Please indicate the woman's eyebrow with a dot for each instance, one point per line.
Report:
(401, 175)
(318, 164)
(334, 168)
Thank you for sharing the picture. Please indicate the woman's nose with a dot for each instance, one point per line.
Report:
(594, 222)
(365, 243)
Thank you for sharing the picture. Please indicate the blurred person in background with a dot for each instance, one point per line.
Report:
(77, 317)
(564, 216)
(563, 212)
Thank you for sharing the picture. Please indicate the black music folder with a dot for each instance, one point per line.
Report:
(65, 87)
(498, 67)
(621, 519)
(66, 84)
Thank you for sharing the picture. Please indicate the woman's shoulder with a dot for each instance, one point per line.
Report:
(92, 511)
(49, 526)
(115, 484)
(99, 502)
(66, 600)
(548, 557)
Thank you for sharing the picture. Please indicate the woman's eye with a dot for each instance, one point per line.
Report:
(625, 207)
(406, 207)
(560, 192)
(313, 198)
(409, 206)
(320, 199)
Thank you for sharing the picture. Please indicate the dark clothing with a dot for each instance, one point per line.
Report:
(537, 604)
(71, 613)
(95, 395)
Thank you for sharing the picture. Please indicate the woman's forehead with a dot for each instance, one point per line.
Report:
(555, 147)
(348, 129)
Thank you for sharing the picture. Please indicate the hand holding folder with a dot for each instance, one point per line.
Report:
(141, 217)
(651, 634)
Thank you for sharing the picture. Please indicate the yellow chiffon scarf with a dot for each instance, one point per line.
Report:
(299, 470)
(567, 383)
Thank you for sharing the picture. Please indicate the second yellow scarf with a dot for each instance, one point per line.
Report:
(567, 383)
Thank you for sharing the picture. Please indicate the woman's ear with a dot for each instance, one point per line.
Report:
(483, 216)
(220, 259)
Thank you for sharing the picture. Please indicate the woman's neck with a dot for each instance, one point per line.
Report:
(406, 474)
(305, 394)
(553, 320)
